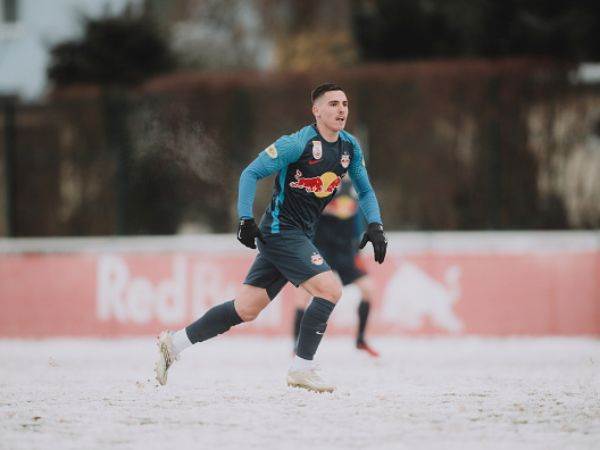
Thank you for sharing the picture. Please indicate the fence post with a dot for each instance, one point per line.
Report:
(8, 105)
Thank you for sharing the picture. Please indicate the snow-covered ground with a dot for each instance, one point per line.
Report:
(229, 393)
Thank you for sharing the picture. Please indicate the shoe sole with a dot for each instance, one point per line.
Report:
(158, 370)
(309, 388)
(161, 365)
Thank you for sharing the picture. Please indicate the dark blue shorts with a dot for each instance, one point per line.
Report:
(343, 262)
(286, 256)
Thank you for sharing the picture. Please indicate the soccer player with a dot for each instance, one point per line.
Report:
(309, 164)
(336, 237)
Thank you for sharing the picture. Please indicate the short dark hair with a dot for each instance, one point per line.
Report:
(322, 88)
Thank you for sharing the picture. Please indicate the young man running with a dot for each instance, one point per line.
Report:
(309, 165)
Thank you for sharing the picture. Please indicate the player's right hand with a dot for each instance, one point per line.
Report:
(248, 231)
(375, 234)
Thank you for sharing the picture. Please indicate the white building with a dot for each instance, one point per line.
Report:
(29, 28)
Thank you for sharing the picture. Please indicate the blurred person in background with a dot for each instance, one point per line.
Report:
(336, 237)
(310, 165)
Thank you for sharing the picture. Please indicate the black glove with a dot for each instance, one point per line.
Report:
(375, 234)
(248, 231)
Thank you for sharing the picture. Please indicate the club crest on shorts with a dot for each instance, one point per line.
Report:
(317, 149)
(316, 259)
(345, 160)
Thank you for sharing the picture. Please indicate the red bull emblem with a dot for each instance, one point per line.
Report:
(345, 161)
(316, 259)
(311, 184)
(322, 186)
(334, 185)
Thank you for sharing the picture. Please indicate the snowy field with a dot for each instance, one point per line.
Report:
(229, 393)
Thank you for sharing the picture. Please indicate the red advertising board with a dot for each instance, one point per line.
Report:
(460, 284)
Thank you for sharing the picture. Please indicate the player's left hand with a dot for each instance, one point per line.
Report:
(375, 234)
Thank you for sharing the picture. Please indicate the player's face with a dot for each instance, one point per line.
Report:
(331, 110)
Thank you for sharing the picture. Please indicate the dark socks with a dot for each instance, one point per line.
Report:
(297, 321)
(313, 327)
(217, 320)
(363, 315)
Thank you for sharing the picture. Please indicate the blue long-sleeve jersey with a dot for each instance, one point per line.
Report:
(309, 171)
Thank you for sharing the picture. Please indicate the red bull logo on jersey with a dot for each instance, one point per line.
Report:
(322, 186)
(345, 160)
(342, 206)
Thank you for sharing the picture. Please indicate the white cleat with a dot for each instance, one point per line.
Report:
(308, 379)
(166, 356)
